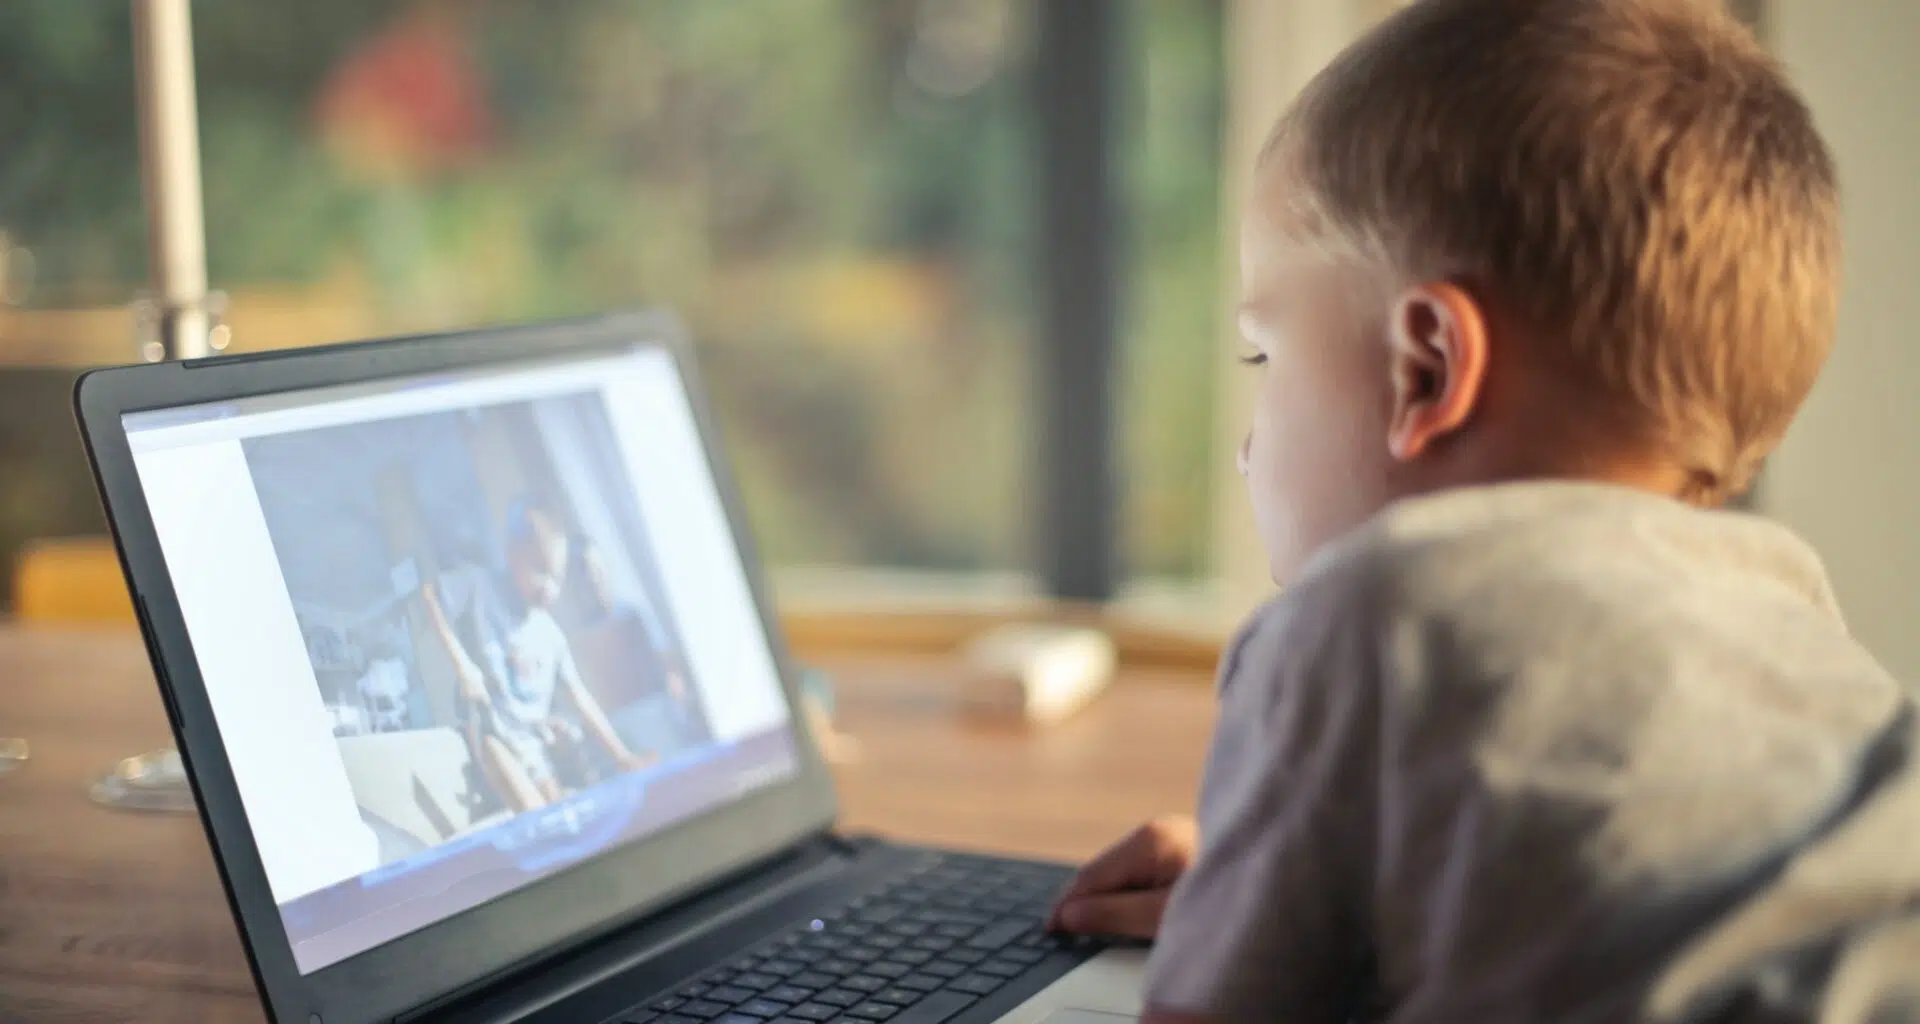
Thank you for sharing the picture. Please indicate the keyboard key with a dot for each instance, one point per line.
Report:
(788, 994)
(933, 944)
(755, 981)
(781, 968)
(839, 997)
(740, 1018)
(817, 1011)
(975, 984)
(953, 931)
(1002, 969)
(729, 994)
(695, 990)
(702, 1009)
(1000, 934)
(864, 983)
(873, 1011)
(898, 996)
(763, 1008)
(718, 976)
(1022, 955)
(910, 956)
(967, 956)
(907, 929)
(935, 1009)
(669, 1003)
(805, 954)
(820, 978)
(889, 969)
(944, 969)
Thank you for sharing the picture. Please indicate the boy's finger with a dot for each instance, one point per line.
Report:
(1150, 855)
(1116, 867)
(1133, 915)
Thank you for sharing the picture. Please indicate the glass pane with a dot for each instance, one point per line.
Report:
(1174, 107)
(72, 228)
(834, 193)
(72, 251)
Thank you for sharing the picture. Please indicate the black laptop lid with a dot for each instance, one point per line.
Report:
(463, 643)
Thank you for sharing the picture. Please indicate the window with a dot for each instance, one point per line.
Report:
(72, 227)
(1172, 131)
(72, 249)
(832, 192)
(840, 196)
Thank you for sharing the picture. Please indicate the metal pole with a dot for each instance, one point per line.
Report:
(178, 306)
(1076, 64)
(170, 177)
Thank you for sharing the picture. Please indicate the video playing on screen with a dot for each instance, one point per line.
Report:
(482, 607)
(462, 632)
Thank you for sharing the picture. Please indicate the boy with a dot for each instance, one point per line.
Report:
(1533, 734)
(514, 665)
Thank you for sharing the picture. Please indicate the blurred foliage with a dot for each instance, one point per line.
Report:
(837, 194)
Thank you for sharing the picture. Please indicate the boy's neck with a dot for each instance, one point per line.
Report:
(1550, 455)
(1648, 474)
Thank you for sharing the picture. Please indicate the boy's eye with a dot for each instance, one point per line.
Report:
(1254, 359)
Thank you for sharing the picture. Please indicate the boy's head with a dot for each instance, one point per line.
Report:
(1503, 239)
(537, 552)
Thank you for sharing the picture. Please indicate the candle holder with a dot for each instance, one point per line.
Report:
(155, 781)
(13, 753)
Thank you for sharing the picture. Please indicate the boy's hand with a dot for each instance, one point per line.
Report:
(1123, 892)
(633, 762)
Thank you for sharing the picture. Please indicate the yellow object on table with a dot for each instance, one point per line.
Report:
(71, 581)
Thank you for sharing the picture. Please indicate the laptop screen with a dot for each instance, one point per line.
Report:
(461, 632)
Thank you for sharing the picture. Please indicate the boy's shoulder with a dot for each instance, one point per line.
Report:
(1544, 670)
(1545, 539)
(1541, 570)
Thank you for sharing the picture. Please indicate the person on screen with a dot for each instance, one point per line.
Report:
(514, 665)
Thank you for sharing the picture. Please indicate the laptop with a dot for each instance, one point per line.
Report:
(477, 682)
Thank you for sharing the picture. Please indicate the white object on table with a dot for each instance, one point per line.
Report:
(1038, 673)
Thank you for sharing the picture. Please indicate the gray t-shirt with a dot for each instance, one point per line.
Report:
(1549, 752)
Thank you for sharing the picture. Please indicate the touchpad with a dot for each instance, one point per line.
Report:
(1085, 1017)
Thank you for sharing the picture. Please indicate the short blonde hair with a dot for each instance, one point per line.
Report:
(1634, 179)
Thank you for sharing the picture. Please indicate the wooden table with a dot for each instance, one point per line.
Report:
(114, 916)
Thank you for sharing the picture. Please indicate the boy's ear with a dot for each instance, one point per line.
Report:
(1438, 360)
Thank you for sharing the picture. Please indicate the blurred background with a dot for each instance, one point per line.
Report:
(866, 210)
(840, 196)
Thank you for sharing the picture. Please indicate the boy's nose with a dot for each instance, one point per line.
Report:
(1240, 457)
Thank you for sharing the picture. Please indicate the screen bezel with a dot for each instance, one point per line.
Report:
(562, 910)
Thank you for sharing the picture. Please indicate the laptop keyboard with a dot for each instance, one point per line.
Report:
(920, 950)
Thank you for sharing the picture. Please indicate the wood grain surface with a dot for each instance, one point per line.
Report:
(114, 916)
